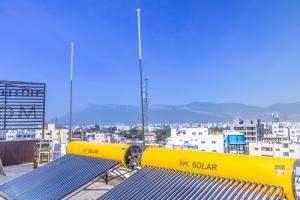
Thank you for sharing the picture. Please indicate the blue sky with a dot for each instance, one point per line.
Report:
(216, 51)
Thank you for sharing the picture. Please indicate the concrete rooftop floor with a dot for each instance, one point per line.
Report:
(14, 171)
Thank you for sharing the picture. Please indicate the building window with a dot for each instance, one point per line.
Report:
(200, 133)
(286, 154)
(256, 149)
(213, 142)
(214, 150)
(285, 145)
(267, 149)
(202, 142)
(277, 149)
(193, 133)
(292, 151)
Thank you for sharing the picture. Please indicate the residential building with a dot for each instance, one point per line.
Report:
(280, 130)
(284, 149)
(195, 138)
(295, 133)
(253, 129)
(54, 133)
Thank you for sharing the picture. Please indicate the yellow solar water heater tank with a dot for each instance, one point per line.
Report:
(128, 155)
(281, 172)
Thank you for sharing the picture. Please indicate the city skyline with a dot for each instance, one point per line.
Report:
(193, 51)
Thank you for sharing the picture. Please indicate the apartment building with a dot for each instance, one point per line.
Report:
(54, 133)
(253, 129)
(284, 149)
(195, 138)
(280, 130)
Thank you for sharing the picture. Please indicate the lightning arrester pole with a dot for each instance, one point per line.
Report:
(141, 75)
(71, 93)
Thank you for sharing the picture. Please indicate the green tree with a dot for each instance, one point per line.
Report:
(163, 134)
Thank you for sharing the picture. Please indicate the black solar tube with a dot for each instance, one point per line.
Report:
(72, 181)
(255, 191)
(242, 191)
(189, 184)
(12, 185)
(124, 186)
(269, 193)
(277, 194)
(223, 190)
(198, 179)
(58, 178)
(213, 188)
(173, 191)
(230, 189)
(200, 184)
(167, 182)
(152, 188)
(218, 189)
(249, 191)
(25, 183)
(175, 179)
(262, 192)
(201, 194)
(236, 190)
(143, 184)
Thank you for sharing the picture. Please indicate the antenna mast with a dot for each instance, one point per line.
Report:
(146, 104)
(71, 93)
(141, 75)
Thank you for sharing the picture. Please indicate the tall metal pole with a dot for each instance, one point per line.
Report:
(141, 75)
(71, 93)
(44, 111)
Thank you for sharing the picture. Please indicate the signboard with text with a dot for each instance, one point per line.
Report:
(22, 105)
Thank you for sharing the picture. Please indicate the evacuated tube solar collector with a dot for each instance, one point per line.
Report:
(280, 172)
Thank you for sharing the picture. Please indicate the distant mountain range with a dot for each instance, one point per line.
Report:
(196, 112)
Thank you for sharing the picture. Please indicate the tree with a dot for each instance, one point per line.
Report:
(163, 134)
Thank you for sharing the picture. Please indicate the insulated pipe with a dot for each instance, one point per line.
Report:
(266, 170)
(126, 154)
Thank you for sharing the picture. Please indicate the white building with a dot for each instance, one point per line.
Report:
(284, 149)
(54, 133)
(195, 138)
(295, 133)
(100, 137)
(17, 135)
(280, 130)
